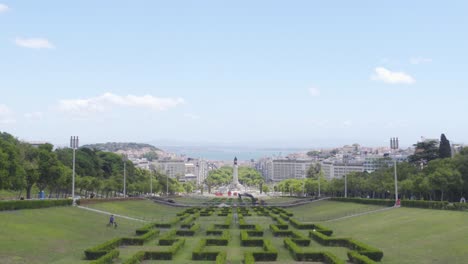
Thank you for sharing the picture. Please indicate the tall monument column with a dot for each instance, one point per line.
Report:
(235, 173)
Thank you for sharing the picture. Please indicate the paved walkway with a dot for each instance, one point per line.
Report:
(107, 213)
(365, 213)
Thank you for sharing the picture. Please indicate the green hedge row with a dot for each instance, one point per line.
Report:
(308, 226)
(132, 241)
(361, 248)
(188, 232)
(99, 251)
(32, 204)
(199, 254)
(168, 238)
(102, 249)
(269, 252)
(434, 205)
(107, 258)
(156, 255)
(299, 255)
(221, 258)
(384, 202)
(357, 258)
(246, 241)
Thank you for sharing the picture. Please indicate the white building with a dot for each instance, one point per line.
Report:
(282, 169)
(336, 170)
(172, 168)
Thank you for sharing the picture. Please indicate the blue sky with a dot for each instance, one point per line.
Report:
(263, 73)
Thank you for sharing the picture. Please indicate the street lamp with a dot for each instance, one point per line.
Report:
(74, 143)
(151, 180)
(167, 183)
(345, 161)
(125, 158)
(394, 145)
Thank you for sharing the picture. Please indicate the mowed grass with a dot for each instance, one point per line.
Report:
(61, 234)
(327, 210)
(408, 235)
(142, 209)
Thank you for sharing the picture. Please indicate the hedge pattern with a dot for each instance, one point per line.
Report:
(33, 204)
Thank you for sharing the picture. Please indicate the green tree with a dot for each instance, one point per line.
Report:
(424, 152)
(445, 150)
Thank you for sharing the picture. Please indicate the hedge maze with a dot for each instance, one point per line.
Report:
(233, 235)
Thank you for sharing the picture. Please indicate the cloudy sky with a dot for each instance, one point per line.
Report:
(266, 73)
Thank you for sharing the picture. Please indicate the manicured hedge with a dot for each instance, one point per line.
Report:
(132, 241)
(299, 255)
(269, 254)
(102, 249)
(156, 255)
(246, 241)
(357, 258)
(361, 248)
(188, 232)
(221, 258)
(384, 202)
(249, 258)
(107, 258)
(440, 205)
(168, 238)
(32, 204)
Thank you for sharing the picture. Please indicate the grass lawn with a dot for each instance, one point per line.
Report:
(61, 234)
(143, 209)
(408, 235)
(326, 210)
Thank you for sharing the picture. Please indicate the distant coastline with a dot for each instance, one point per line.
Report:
(228, 153)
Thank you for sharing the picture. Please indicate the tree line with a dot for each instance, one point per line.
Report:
(431, 173)
(26, 169)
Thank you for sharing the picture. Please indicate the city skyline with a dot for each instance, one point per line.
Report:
(263, 74)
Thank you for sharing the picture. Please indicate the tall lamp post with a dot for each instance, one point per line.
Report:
(125, 158)
(167, 183)
(394, 145)
(345, 161)
(74, 143)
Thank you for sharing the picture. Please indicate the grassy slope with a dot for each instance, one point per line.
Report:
(411, 235)
(326, 210)
(60, 235)
(143, 209)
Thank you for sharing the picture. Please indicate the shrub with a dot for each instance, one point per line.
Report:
(221, 258)
(168, 238)
(188, 232)
(357, 258)
(299, 255)
(246, 241)
(361, 248)
(33, 204)
(383, 202)
(107, 258)
(102, 249)
(249, 258)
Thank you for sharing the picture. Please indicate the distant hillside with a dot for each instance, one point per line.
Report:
(133, 150)
(121, 146)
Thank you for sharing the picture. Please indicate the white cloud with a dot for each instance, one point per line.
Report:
(192, 116)
(34, 43)
(347, 123)
(34, 115)
(108, 100)
(387, 76)
(3, 8)
(313, 91)
(6, 115)
(420, 60)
